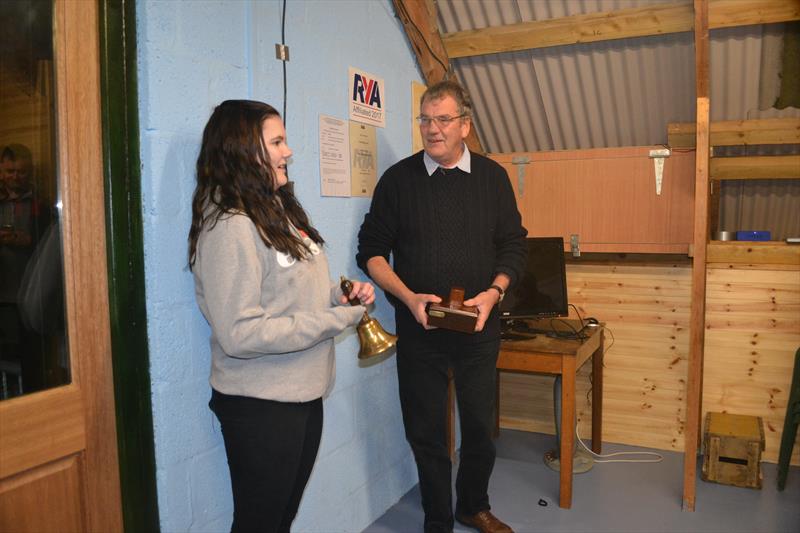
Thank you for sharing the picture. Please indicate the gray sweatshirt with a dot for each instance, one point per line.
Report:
(272, 318)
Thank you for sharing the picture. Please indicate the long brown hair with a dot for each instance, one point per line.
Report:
(234, 175)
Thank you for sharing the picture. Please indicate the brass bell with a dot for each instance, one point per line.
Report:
(372, 338)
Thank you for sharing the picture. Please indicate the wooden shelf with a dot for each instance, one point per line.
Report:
(755, 167)
(753, 253)
(738, 132)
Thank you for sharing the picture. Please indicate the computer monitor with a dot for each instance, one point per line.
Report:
(542, 290)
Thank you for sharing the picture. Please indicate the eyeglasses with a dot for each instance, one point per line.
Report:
(442, 121)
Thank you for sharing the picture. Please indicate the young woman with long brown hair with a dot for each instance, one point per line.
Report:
(262, 282)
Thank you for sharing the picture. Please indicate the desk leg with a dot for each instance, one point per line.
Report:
(597, 397)
(567, 431)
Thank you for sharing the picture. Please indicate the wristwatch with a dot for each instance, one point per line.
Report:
(500, 291)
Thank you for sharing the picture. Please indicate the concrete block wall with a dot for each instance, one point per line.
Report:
(191, 56)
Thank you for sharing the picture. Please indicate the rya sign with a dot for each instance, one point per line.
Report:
(367, 98)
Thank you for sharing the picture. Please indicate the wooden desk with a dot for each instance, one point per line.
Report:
(563, 357)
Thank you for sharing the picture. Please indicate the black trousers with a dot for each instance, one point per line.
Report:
(271, 448)
(422, 373)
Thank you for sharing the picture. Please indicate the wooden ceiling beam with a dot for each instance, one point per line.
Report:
(658, 19)
(419, 21)
(738, 132)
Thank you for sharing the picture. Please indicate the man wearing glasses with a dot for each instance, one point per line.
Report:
(448, 218)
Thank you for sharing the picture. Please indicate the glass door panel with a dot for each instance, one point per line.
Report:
(33, 341)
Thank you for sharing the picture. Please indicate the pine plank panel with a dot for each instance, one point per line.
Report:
(629, 373)
(754, 308)
(750, 343)
(625, 316)
(641, 356)
(746, 323)
(621, 300)
(755, 319)
(755, 277)
(528, 400)
(640, 353)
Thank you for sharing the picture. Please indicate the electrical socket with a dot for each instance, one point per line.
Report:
(661, 152)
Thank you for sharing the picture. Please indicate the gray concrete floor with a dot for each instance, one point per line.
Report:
(614, 497)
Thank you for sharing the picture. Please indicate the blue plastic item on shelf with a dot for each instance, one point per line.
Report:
(753, 236)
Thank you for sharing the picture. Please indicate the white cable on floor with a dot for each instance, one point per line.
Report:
(658, 460)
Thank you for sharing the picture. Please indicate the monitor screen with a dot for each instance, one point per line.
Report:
(542, 289)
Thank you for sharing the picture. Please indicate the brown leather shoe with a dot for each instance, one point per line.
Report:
(485, 522)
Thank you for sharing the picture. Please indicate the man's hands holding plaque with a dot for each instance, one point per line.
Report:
(418, 303)
(483, 302)
(454, 313)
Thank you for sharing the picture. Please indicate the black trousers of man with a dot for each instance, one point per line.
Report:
(422, 373)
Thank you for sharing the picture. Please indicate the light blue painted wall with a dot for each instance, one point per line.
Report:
(192, 55)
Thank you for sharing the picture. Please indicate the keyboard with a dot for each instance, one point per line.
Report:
(512, 336)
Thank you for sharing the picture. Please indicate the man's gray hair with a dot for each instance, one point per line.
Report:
(449, 88)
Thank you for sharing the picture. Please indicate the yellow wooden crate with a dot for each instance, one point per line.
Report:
(733, 446)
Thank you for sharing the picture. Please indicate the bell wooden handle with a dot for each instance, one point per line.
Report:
(347, 287)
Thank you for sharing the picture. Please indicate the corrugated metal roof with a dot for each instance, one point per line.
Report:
(606, 94)
(623, 93)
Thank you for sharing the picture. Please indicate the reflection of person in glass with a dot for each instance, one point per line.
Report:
(17, 206)
(20, 224)
(18, 213)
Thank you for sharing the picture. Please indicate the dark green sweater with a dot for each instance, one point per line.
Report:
(449, 229)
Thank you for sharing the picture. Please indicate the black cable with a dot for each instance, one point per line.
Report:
(283, 43)
(613, 340)
(572, 334)
(579, 315)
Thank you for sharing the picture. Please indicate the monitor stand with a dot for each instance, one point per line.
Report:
(582, 461)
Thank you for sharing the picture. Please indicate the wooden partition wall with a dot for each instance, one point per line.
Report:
(752, 331)
(607, 197)
(752, 311)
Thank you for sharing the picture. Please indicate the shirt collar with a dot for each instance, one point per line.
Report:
(465, 163)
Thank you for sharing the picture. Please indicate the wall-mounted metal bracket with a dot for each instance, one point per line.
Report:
(281, 52)
(520, 161)
(658, 157)
(575, 245)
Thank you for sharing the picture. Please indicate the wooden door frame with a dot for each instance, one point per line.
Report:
(71, 429)
(125, 246)
(65, 440)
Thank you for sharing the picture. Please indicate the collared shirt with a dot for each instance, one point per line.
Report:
(465, 163)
